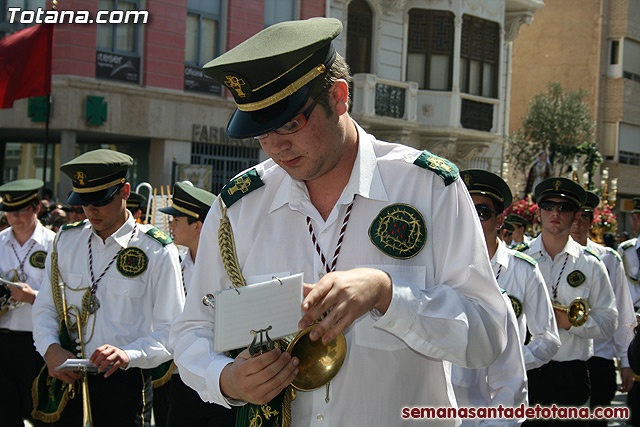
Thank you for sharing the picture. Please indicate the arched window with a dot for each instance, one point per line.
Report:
(430, 49)
(359, 35)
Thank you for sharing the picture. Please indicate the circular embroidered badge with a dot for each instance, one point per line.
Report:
(399, 231)
(517, 305)
(37, 259)
(576, 278)
(132, 261)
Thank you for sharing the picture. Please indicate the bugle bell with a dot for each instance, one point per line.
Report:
(319, 363)
(577, 311)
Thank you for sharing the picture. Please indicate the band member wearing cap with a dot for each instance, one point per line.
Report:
(506, 233)
(23, 249)
(136, 203)
(630, 253)
(519, 225)
(122, 280)
(504, 382)
(516, 273)
(570, 271)
(374, 227)
(602, 370)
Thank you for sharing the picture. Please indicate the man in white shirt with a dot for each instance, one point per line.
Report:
(570, 271)
(122, 280)
(602, 369)
(183, 406)
(23, 249)
(376, 230)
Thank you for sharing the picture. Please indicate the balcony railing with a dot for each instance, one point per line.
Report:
(375, 97)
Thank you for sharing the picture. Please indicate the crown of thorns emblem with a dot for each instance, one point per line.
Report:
(132, 262)
(399, 231)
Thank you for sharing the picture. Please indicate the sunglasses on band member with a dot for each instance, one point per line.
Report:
(563, 207)
(105, 202)
(298, 122)
(484, 212)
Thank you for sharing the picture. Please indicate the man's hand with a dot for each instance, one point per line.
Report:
(258, 379)
(345, 295)
(55, 356)
(106, 355)
(24, 294)
(626, 375)
(562, 318)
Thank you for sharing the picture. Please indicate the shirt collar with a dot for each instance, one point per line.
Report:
(123, 234)
(365, 180)
(502, 255)
(37, 235)
(571, 247)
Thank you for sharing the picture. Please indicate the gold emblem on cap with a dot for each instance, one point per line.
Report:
(438, 162)
(80, 177)
(558, 184)
(241, 184)
(8, 197)
(467, 179)
(236, 84)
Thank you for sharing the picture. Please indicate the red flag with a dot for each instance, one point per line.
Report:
(25, 64)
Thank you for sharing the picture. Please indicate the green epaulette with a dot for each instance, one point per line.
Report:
(627, 245)
(616, 254)
(520, 247)
(591, 252)
(73, 224)
(525, 257)
(159, 236)
(240, 187)
(441, 166)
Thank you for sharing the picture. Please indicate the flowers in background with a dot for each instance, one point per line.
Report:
(605, 219)
(526, 209)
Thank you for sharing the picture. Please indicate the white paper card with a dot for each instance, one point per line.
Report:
(276, 303)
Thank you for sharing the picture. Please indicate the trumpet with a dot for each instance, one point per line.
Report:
(577, 311)
(87, 419)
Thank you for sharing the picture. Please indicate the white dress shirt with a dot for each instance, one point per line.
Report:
(503, 383)
(629, 252)
(617, 345)
(135, 313)
(524, 281)
(446, 304)
(19, 318)
(577, 342)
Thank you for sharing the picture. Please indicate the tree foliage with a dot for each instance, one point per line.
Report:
(561, 124)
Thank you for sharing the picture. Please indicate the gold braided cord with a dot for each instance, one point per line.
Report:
(228, 249)
(55, 284)
(232, 266)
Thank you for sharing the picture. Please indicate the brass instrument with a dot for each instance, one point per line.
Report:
(6, 302)
(87, 419)
(577, 311)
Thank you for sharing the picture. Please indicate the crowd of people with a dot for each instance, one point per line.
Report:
(404, 258)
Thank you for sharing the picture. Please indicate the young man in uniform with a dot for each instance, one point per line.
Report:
(374, 227)
(23, 249)
(570, 271)
(123, 281)
(602, 369)
(189, 208)
(137, 204)
(519, 225)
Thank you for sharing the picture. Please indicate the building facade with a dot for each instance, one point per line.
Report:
(593, 45)
(433, 74)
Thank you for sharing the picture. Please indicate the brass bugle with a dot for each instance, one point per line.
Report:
(319, 363)
(577, 311)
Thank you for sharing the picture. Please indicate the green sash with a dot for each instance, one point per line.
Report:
(161, 374)
(271, 414)
(50, 395)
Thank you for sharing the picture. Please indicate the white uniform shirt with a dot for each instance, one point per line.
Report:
(617, 345)
(629, 252)
(187, 265)
(19, 319)
(577, 342)
(503, 383)
(524, 282)
(445, 305)
(135, 313)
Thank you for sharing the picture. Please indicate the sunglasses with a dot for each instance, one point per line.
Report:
(299, 122)
(105, 202)
(563, 207)
(484, 212)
